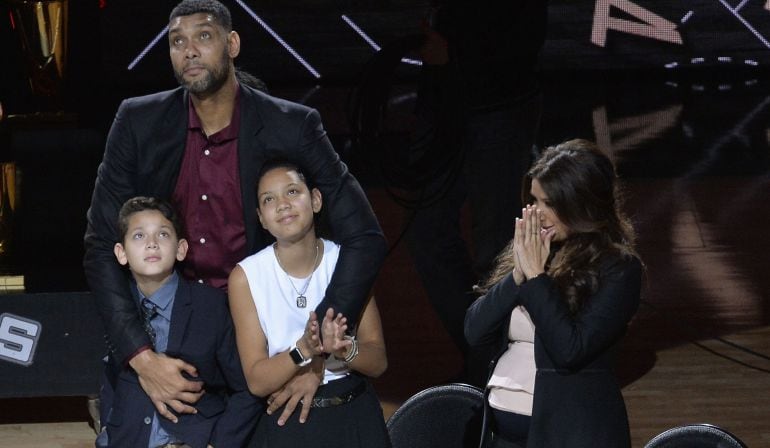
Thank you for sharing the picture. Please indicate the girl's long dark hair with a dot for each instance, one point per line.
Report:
(581, 185)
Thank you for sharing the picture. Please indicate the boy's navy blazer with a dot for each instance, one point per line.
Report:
(143, 156)
(201, 333)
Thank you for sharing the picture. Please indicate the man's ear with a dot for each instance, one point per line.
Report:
(120, 254)
(181, 249)
(233, 44)
(316, 200)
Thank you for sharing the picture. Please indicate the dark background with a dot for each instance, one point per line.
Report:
(105, 36)
(719, 74)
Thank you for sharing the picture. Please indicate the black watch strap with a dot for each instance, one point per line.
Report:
(298, 358)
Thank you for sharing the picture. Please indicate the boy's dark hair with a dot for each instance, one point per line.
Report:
(217, 10)
(142, 203)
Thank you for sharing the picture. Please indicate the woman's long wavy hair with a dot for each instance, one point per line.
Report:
(581, 185)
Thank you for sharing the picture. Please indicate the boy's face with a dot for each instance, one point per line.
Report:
(151, 246)
(286, 206)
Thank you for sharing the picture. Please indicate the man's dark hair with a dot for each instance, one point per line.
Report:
(217, 10)
(142, 203)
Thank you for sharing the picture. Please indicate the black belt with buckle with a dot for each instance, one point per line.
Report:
(347, 397)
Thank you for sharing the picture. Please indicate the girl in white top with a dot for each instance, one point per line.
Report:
(272, 295)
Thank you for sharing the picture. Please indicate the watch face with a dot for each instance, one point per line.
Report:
(296, 356)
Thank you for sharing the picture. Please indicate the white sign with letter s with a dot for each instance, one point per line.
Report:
(18, 338)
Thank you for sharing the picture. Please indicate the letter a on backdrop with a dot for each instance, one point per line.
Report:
(651, 25)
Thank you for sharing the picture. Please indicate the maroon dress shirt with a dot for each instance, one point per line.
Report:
(208, 198)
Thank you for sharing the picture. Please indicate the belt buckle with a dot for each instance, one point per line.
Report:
(331, 401)
(339, 400)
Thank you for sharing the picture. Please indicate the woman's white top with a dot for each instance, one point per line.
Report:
(282, 321)
(513, 380)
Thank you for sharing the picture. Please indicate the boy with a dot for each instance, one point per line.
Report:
(185, 320)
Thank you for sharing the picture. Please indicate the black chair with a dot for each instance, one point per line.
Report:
(446, 416)
(700, 435)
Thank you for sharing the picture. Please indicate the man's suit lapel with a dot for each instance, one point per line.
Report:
(167, 149)
(180, 317)
(250, 158)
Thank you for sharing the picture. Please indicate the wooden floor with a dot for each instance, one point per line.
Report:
(698, 350)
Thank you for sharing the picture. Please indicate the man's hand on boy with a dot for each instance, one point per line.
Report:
(161, 378)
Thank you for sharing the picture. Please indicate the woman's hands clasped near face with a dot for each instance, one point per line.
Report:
(531, 244)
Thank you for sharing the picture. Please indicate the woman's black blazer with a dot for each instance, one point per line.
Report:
(577, 399)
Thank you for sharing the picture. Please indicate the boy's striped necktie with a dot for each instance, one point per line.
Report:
(149, 311)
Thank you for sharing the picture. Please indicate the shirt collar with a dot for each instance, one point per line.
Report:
(228, 133)
(163, 298)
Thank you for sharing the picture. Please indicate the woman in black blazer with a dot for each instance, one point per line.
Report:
(572, 267)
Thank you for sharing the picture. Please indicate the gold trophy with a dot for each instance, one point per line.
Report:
(42, 29)
(9, 282)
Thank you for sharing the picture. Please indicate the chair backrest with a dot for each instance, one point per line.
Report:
(446, 416)
(701, 435)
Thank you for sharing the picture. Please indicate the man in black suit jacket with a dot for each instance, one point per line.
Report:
(147, 144)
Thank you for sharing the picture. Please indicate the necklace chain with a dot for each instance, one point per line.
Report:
(301, 299)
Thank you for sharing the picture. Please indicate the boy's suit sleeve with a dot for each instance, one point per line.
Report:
(237, 422)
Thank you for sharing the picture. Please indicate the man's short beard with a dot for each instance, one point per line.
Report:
(213, 80)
